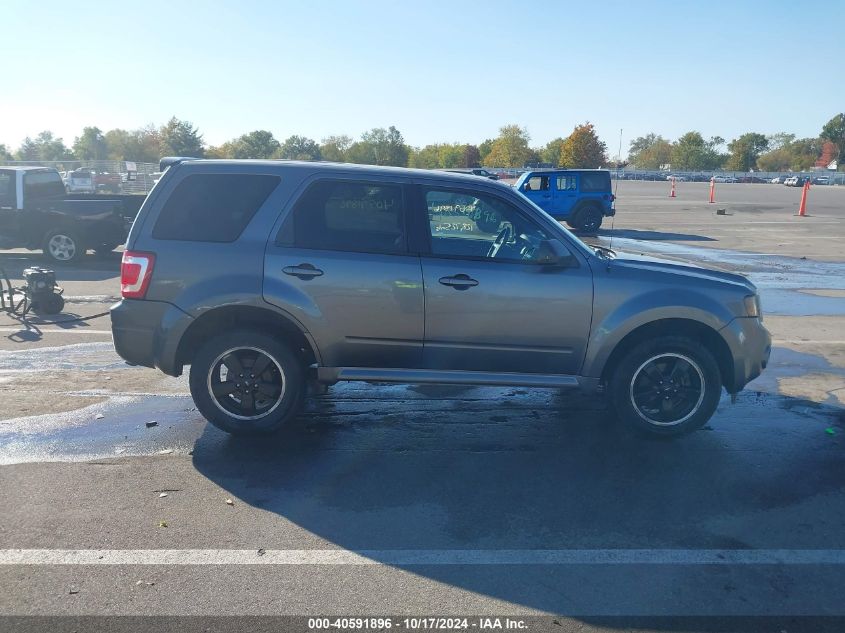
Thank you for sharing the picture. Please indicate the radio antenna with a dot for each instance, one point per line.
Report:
(616, 188)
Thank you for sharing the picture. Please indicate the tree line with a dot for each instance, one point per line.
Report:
(749, 151)
(379, 146)
(582, 148)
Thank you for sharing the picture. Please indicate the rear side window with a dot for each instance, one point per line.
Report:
(349, 216)
(595, 182)
(212, 207)
(43, 184)
(566, 183)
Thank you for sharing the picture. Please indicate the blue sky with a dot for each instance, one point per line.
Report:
(440, 71)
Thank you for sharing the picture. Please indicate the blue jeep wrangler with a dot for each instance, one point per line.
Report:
(582, 197)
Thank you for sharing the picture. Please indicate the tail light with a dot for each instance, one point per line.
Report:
(136, 270)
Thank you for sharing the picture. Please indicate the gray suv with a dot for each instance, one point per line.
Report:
(265, 276)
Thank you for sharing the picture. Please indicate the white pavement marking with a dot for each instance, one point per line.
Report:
(68, 331)
(423, 557)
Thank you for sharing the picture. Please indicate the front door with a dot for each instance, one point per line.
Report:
(340, 264)
(489, 306)
(538, 189)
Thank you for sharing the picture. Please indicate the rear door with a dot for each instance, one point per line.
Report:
(489, 305)
(565, 194)
(340, 264)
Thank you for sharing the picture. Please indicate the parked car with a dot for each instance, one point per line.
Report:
(779, 180)
(80, 181)
(821, 180)
(581, 197)
(35, 212)
(106, 182)
(795, 181)
(263, 276)
(476, 171)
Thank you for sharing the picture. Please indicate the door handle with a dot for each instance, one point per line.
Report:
(459, 282)
(303, 271)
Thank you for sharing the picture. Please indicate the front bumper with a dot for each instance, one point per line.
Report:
(751, 346)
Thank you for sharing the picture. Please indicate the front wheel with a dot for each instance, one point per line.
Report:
(667, 386)
(245, 382)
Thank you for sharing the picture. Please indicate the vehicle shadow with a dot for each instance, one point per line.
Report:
(489, 469)
(638, 234)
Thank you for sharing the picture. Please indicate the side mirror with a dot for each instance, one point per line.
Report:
(554, 253)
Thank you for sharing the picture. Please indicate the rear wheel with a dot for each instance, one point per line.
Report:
(667, 386)
(245, 382)
(588, 219)
(63, 246)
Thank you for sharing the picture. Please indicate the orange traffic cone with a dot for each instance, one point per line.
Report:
(672, 192)
(802, 208)
(712, 190)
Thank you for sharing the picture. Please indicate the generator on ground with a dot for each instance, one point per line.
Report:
(39, 293)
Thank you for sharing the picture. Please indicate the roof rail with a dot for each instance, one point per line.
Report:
(169, 161)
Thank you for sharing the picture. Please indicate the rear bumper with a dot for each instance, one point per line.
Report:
(147, 333)
(751, 345)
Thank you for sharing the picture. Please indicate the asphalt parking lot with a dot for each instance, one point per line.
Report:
(410, 500)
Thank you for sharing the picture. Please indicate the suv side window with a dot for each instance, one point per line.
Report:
(480, 226)
(348, 215)
(597, 182)
(536, 183)
(566, 183)
(212, 207)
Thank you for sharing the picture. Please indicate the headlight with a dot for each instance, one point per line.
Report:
(752, 306)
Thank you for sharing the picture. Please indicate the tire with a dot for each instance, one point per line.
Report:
(647, 384)
(62, 246)
(589, 219)
(53, 304)
(280, 386)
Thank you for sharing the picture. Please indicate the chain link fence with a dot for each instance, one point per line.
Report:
(111, 176)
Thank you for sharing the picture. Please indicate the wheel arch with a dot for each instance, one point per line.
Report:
(265, 320)
(688, 328)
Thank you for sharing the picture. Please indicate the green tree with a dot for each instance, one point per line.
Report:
(692, 152)
(779, 159)
(299, 148)
(745, 150)
(5, 154)
(44, 147)
(651, 151)
(805, 152)
(380, 146)
(335, 148)
(583, 149)
(551, 152)
(427, 157)
(91, 145)
(180, 138)
(485, 148)
(142, 145)
(834, 131)
(510, 149)
(471, 157)
(781, 139)
(257, 144)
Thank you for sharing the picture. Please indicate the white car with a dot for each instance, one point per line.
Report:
(80, 181)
